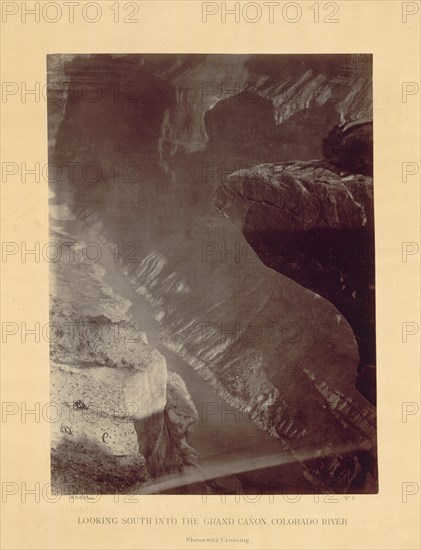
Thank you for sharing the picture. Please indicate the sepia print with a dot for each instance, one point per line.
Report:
(212, 291)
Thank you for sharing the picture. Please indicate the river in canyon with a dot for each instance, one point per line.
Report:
(194, 282)
(227, 443)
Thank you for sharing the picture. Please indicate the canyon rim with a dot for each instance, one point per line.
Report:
(212, 273)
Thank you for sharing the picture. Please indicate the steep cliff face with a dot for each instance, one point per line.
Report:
(314, 222)
(123, 416)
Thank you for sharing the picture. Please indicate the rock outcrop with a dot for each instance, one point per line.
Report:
(315, 224)
(350, 147)
(123, 415)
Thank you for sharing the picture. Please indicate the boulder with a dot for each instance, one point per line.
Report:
(350, 147)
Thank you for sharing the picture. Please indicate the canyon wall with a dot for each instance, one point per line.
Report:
(281, 353)
(195, 84)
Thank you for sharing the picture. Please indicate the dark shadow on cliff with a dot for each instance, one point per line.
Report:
(337, 264)
(243, 129)
(350, 147)
(111, 143)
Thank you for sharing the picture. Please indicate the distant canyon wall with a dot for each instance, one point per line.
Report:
(195, 84)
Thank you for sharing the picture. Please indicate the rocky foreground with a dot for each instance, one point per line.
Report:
(124, 415)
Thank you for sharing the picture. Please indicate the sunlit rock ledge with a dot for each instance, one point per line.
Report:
(122, 415)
